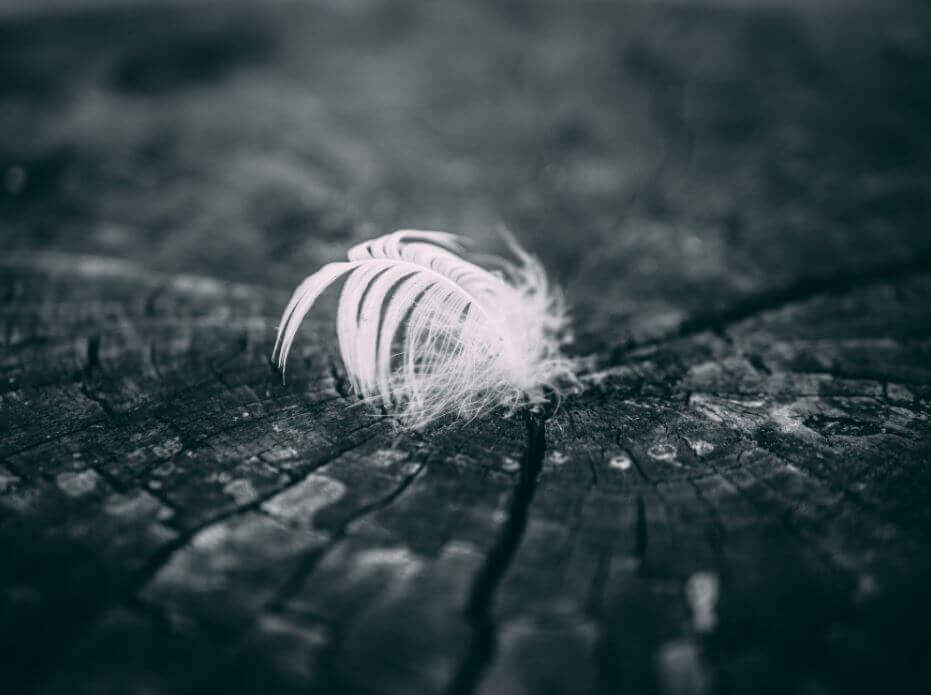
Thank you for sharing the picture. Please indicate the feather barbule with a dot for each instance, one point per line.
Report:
(427, 333)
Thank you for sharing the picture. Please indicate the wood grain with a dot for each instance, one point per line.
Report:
(736, 201)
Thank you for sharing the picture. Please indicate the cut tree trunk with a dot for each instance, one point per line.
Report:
(736, 202)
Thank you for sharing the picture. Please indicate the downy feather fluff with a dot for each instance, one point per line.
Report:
(427, 333)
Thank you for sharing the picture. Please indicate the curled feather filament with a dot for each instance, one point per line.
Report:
(427, 333)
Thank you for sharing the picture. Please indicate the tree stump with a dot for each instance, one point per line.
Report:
(735, 200)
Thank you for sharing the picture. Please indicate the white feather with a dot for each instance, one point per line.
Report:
(427, 333)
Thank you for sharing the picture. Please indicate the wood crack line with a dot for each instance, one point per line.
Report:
(478, 609)
(309, 561)
(802, 290)
(164, 555)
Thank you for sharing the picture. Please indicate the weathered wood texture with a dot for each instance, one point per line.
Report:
(737, 204)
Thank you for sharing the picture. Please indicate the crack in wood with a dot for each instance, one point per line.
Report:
(104, 403)
(92, 361)
(478, 609)
(161, 558)
(125, 417)
(803, 290)
(309, 561)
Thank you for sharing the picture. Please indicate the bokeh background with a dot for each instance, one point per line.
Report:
(665, 154)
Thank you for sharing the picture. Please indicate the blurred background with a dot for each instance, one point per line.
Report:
(673, 156)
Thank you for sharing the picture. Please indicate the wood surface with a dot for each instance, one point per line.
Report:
(736, 201)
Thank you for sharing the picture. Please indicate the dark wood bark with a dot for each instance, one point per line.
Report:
(736, 201)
